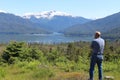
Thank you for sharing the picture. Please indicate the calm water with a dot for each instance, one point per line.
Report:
(41, 38)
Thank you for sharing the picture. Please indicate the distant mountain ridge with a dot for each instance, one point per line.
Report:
(12, 24)
(55, 20)
(105, 25)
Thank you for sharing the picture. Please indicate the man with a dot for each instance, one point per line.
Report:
(97, 55)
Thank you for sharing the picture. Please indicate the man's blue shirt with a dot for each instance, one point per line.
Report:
(98, 46)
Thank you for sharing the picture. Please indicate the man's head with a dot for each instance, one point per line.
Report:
(97, 34)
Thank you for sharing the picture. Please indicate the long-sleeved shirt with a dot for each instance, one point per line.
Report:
(98, 46)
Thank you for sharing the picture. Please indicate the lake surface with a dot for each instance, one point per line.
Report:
(42, 38)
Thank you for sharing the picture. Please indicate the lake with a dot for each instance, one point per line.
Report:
(42, 38)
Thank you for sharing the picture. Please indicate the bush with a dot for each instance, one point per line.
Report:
(13, 51)
(20, 51)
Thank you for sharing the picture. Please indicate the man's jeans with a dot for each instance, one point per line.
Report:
(94, 60)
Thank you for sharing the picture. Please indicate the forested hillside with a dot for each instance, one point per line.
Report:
(112, 34)
(109, 25)
(12, 24)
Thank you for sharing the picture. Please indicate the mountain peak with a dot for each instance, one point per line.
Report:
(46, 14)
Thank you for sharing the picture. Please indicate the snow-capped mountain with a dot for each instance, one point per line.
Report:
(12, 24)
(55, 20)
(46, 14)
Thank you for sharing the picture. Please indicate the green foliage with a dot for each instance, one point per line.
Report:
(112, 51)
(13, 51)
(43, 73)
(37, 69)
(43, 61)
(20, 51)
(2, 73)
(72, 52)
(53, 55)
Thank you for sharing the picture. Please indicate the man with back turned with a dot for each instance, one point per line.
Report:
(97, 46)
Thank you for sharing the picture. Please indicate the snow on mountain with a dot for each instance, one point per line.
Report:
(55, 20)
(46, 14)
(13, 24)
(1, 11)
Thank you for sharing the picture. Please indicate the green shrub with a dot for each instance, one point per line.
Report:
(51, 57)
(33, 65)
(13, 51)
(20, 51)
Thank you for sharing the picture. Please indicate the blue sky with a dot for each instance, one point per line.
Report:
(85, 8)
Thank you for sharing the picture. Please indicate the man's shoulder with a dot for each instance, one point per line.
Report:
(101, 38)
(98, 39)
